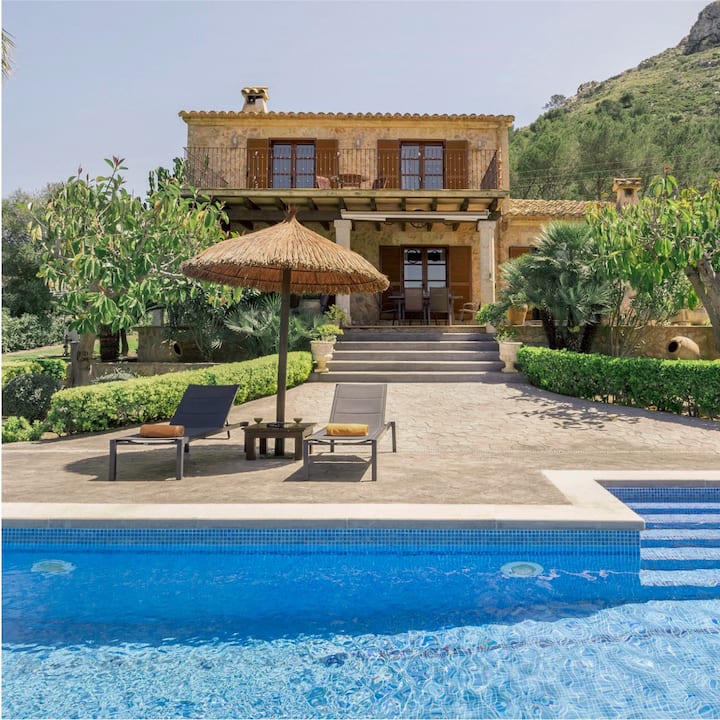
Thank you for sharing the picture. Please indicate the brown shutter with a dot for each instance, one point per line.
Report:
(326, 158)
(258, 163)
(391, 264)
(388, 154)
(460, 274)
(456, 164)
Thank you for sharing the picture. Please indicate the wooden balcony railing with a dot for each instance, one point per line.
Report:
(216, 168)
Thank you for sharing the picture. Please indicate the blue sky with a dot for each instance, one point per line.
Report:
(100, 78)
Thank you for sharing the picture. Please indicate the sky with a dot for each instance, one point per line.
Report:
(99, 78)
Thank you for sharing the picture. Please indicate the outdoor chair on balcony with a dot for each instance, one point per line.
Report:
(357, 418)
(203, 411)
(323, 183)
(380, 183)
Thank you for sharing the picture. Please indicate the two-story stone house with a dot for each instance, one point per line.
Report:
(425, 198)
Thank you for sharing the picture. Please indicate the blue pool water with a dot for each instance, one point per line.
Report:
(349, 624)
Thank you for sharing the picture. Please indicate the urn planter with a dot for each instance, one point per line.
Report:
(508, 354)
(322, 352)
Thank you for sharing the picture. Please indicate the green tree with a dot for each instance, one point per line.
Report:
(109, 255)
(23, 291)
(668, 233)
(563, 279)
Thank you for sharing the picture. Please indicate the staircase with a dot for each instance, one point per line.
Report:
(416, 354)
(680, 547)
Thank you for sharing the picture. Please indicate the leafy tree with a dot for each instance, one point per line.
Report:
(109, 254)
(7, 48)
(667, 234)
(23, 291)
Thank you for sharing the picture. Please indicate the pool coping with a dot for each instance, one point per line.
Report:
(590, 506)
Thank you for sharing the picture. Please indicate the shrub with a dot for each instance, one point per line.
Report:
(688, 387)
(93, 408)
(30, 331)
(29, 396)
(17, 429)
(54, 367)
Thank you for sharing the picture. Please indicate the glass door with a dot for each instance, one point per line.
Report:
(424, 267)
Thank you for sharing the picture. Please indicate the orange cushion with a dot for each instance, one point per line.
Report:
(346, 429)
(162, 431)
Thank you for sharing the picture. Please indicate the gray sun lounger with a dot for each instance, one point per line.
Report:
(203, 411)
(354, 403)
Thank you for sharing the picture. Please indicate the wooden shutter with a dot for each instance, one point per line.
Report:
(391, 264)
(456, 164)
(460, 273)
(388, 156)
(258, 163)
(326, 158)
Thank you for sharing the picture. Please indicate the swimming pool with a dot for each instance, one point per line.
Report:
(226, 623)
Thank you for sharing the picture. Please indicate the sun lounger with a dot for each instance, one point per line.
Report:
(354, 404)
(202, 412)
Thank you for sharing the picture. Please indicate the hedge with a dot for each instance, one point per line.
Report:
(686, 387)
(94, 408)
(54, 367)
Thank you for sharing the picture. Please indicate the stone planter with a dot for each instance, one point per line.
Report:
(508, 354)
(322, 352)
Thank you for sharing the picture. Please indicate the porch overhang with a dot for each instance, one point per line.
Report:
(251, 207)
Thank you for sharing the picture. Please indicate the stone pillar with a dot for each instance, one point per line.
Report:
(342, 237)
(486, 230)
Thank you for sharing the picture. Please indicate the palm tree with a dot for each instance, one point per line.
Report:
(7, 47)
(562, 278)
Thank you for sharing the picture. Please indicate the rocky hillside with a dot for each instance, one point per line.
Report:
(665, 113)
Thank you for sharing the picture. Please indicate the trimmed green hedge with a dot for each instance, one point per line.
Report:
(93, 408)
(54, 367)
(686, 387)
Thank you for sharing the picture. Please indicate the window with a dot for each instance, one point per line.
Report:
(421, 166)
(424, 267)
(293, 165)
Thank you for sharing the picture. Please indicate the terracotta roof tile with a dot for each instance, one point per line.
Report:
(187, 114)
(546, 208)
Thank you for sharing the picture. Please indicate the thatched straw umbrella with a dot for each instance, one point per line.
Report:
(286, 258)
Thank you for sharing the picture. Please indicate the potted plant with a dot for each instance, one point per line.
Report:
(323, 344)
(508, 347)
(493, 316)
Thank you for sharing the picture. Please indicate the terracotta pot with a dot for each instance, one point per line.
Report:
(516, 314)
(683, 348)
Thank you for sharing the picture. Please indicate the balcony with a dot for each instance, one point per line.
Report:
(221, 169)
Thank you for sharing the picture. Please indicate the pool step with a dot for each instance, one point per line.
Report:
(674, 537)
(680, 547)
(680, 558)
(674, 508)
(685, 520)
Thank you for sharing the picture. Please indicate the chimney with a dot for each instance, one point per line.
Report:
(626, 191)
(255, 99)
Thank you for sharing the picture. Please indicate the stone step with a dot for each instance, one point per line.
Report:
(394, 355)
(380, 346)
(390, 336)
(402, 365)
(416, 377)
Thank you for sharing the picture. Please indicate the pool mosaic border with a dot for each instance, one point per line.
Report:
(322, 540)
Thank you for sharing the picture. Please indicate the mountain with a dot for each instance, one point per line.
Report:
(663, 115)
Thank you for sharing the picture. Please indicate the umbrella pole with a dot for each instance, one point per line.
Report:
(282, 356)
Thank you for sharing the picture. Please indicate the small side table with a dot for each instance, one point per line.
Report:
(263, 431)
